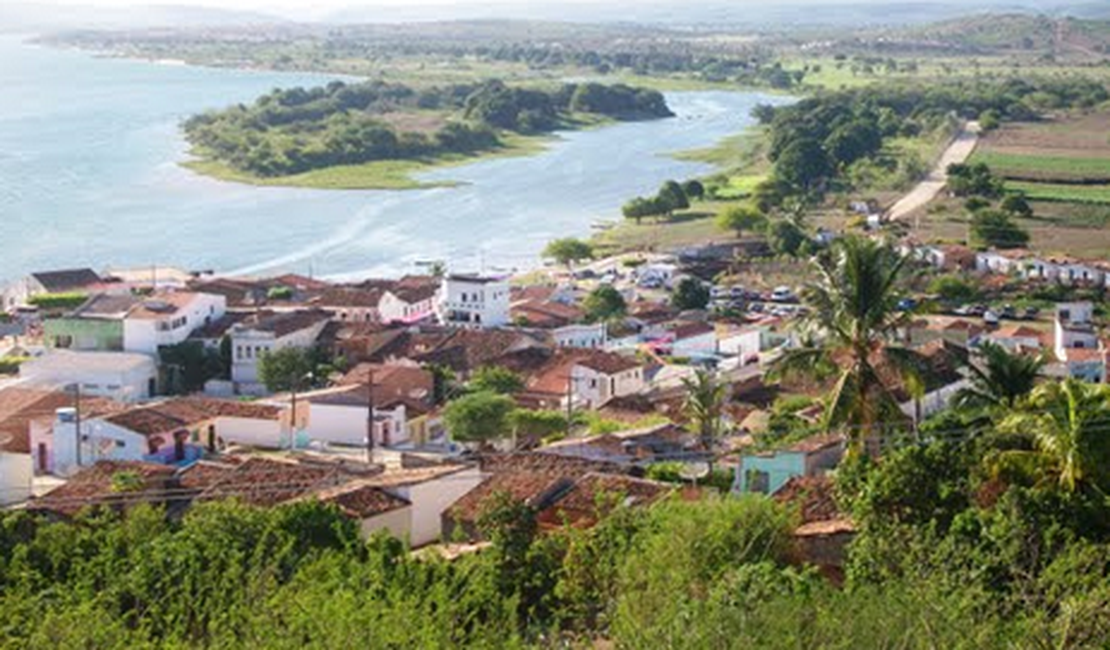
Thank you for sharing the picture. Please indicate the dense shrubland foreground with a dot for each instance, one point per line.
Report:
(956, 548)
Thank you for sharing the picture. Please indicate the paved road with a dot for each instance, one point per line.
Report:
(957, 152)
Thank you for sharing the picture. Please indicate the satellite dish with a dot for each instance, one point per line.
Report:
(694, 471)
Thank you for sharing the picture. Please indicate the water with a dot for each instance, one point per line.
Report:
(89, 177)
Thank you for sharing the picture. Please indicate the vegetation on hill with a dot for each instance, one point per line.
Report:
(297, 130)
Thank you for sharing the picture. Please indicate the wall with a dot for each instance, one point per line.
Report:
(146, 335)
(396, 522)
(780, 468)
(936, 401)
(485, 305)
(16, 473)
(743, 344)
(581, 336)
(102, 441)
(255, 433)
(130, 384)
(346, 425)
(431, 498)
(696, 345)
(95, 334)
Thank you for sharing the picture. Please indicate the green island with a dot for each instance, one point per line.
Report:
(375, 135)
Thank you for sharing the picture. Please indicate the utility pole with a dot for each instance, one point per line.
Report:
(77, 419)
(370, 418)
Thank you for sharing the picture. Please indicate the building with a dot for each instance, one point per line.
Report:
(1004, 262)
(95, 326)
(412, 300)
(1074, 328)
(474, 302)
(268, 332)
(339, 416)
(1017, 338)
(121, 376)
(169, 318)
(352, 305)
(174, 431)
(767, 472)
(589, 378)
(19, 293)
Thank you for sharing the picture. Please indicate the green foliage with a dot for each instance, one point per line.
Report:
(787, 238)
(495, 379)
(279, 293)
(603, 304)
(58, 301)
(10, 365)
(479, 417)
(996, 228)
(974, 180)
(693, 189)
(953, 289)
(286, 369)
(568, 250)
(690, 293)
(1016, 205)
(740, 218)
(189, 365)
(542, 425)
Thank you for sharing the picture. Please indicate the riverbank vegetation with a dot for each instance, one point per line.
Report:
(297, 131)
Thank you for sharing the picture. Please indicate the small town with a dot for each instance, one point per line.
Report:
(555, 325)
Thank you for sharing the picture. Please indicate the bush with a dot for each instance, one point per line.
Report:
(10, 365)
(58, 301)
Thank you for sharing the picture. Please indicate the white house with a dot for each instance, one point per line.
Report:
(600, 377)
(1001, 262)
(693, 340)
(16, 475)
(122, 376)
(168, 319)
(339, 416)
(581, 335)
(431, 491)
(19, 293)
(745, 343)
(1016, 338)
(352, 305)
(1074, 328)
(408, 304)
(1065, 271)
(269, 332)
(474, 301)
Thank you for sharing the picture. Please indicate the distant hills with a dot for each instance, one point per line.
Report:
(22, 17)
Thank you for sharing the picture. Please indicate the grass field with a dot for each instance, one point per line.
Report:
(694, 226)
(1061, 193)
(1035, 167)
(378, 175)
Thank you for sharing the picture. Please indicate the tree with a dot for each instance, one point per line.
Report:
(693, 189)
(568, 251)
(1069, 421)
(478, 417)
(690, 294)
(973, 180)
(1017, 205)
(704, 406)
(950, 288)
(639, 207)
(604, 304)
(537, 424)
(285, 369)
(853, 307)
(995, 228)
(671, 197)
(494, 379)
(190, 365)
(1001, 379)
(803, 164)
(786, 238)
(740, 218)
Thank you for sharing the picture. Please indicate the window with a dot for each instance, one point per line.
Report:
(63, 341)
(758, 481)
(238, 352)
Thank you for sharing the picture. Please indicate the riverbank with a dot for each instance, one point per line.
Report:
(377, 175)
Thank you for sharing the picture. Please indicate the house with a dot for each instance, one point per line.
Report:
(958, 331)
(946, 258)
(351, 305)
(20, 293)
(432, 491)
(95, 326)
(174, 431)
(340, 415)
(1074, 328)
(1016, 338)
(691, 339)
(823, 533)
(596, 495)
(633, 447)
(581, 335)
(768, 472)
(411, 300)
(1086, 364)
(122, 376)
(375, 509)
(1003, 262)
(168, 318)
(268, 332)
(474, 301)
(590, 377)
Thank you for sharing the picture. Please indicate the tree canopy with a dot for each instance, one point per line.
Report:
(479, 417)
(604, 303)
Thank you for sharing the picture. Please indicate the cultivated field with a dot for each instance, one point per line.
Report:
(1068, 149)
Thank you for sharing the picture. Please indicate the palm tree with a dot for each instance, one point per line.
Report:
(853, 310)
(705, 403)
(1001, 379)
(1070, 425)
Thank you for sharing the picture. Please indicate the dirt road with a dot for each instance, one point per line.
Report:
(957, 152)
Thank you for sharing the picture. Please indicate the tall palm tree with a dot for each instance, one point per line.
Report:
(1001, 379)
(853, 312)
(1070, 424)
(704, 406)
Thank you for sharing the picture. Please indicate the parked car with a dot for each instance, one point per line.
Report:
(907, 304)
(719, 292)
(1009, 311)
(1031, 313)
(783, 294)
(990, 318)
(737, 292)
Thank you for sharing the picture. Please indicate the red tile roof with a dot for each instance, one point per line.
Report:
(361, 501)
(97, 485)
(268, 482)
(19, 407)
(595, 495)
(183, 413)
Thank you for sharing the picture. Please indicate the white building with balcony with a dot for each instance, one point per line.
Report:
(168, 319)
(474, 302)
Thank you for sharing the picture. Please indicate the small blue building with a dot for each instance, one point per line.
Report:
(767, 472)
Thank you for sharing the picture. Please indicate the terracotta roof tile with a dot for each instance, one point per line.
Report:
(185, 412)
(95, 485)
(361, 501)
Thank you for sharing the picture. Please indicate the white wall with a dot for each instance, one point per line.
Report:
(145, 335)
(431, 498)
(474, 304)
(130, 382)
(269, 434)
(16, 473)
(581, 336)
(596, 388)
(394, 309)
(397, 522)
(248, 346)
(102, 441)
(346, 425)
(744, 344)
(700, 344)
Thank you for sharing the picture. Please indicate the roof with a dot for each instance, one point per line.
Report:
(687, 330)
(162, 304)
(391, 381)
(67, 280)
(105, 305)
(349, 297)
(546, 314)
(1083, 355)
(816, 443)
(96, 485)
(595, 495)
(473, 278)
(814, 496)
(1015, 332)
(283, 323)
(415, 475)
(415, 292)
(608, 363)
(360, 500)
(19, 407)
(218, 328)
(68, 361)
(267, 482)
(182, 413)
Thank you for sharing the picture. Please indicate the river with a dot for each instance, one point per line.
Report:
(89, 148)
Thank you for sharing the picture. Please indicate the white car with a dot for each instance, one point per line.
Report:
(782, 294)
